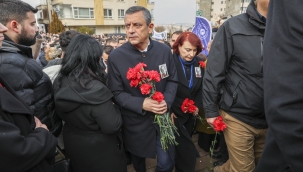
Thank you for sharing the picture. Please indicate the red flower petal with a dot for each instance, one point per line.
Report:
(202, 64)
(158, 96)
(145, 89)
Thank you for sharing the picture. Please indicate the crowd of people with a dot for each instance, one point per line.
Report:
(251, 79)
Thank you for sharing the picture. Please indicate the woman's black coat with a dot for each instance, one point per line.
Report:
(91, 132)
(186, 152)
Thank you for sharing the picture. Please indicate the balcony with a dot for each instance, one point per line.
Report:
(64, 11)
(42, 5)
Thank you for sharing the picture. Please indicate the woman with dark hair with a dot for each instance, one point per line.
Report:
(91, 132)
(190, 74)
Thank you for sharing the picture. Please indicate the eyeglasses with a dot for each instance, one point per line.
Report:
(135, 25)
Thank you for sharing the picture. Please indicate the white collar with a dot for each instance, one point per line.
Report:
(145, 50)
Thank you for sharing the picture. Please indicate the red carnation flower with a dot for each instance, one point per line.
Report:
(202, 64)
(219, 125)
(154, 75)
(188, 106)
(184, 105)
(220, 118)
(158, 96)
(145, 89)
(192, 108)
(134, 82)
(131, 74)
(140, 67)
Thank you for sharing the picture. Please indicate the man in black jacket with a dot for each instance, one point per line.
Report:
(283, 87)
(22, 148)
(18, 67)
(233, 86)
(141, 135)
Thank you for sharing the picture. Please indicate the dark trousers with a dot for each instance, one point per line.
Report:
(165, 163)
(205, 141)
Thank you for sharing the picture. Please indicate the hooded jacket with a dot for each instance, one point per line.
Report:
(25, 76)
(91, 131)
(233, 80)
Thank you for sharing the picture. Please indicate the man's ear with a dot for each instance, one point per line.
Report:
(14, 26)
(151, 28)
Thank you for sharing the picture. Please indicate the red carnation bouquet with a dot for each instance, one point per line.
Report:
(188, 106)
(146, 80)
(219, 125)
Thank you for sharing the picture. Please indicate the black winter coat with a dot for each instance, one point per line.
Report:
(234, 78)
(91, 132)
(22, 149)
(139, 129)
(25, 76)
(186, 151)
(283, 87)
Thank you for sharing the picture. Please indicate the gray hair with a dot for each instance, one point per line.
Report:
(146, 13)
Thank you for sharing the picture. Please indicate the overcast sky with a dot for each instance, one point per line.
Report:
(166, 11)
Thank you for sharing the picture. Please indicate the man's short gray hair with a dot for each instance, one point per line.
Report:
(146, 13)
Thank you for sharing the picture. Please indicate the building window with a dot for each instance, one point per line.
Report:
(108, 13)
(120, 13)
(212, 3)
(211, 16)
(121, 0)
(152, 13)
(220, 9)
(117, 29)
(221, 2)
(83, 12)
(211, 10)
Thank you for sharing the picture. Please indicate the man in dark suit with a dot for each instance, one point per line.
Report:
(141, 134)
(283, 87)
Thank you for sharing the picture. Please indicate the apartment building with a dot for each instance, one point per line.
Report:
(104, 16)
(236, 7)
(214, 10)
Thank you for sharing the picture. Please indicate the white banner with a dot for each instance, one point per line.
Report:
(160, 35)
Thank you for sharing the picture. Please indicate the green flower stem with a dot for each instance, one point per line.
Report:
(213, 143)
(203, 121)
(167, 130)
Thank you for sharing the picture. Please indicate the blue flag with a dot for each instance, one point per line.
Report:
(203, 30)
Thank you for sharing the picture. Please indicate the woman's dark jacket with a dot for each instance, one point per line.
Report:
(31, 85)
(22, 149)
(234, 78)
(186, 152)
(91, 132)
